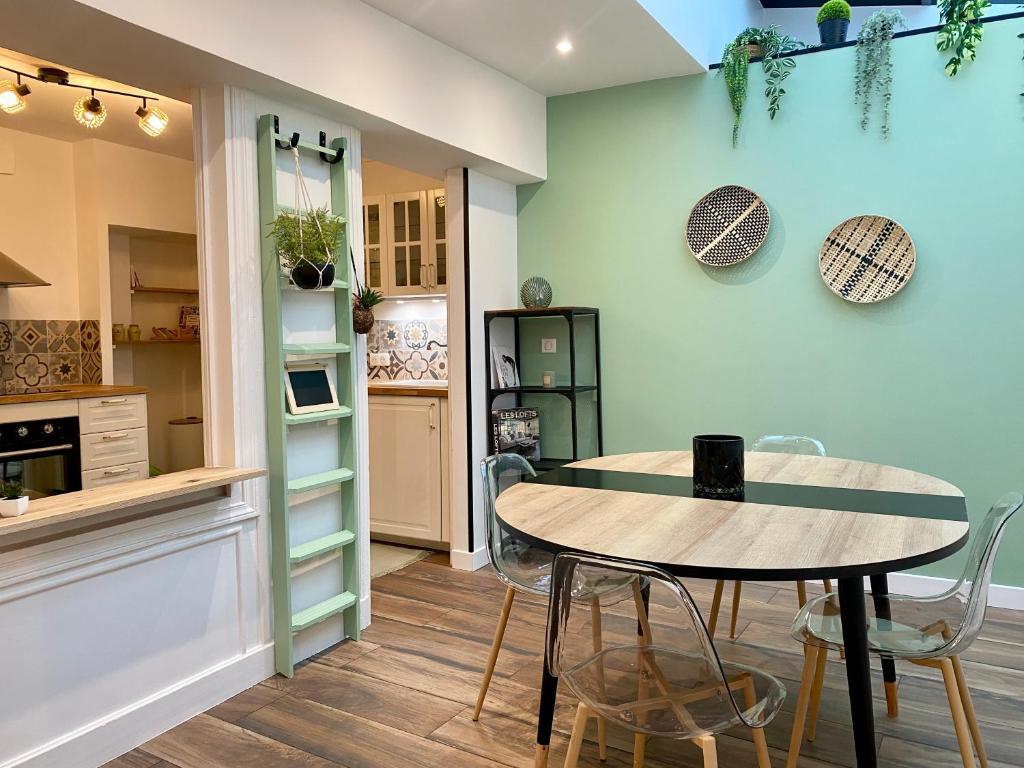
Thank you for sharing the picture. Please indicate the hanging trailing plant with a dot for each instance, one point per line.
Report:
(768, 44)
(873, 84)
(961, 31)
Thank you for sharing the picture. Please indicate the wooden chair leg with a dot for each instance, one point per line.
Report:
(710, 750)
(956, 706)
(972, 718)
(737, 589)
(639, 747)
(764, 760)
(801, 593)
(598, 643)
(499, 635)
(827, 583)
(579, 726)
(803, 699)
(892, 699)
(816, 689)
(716, 606)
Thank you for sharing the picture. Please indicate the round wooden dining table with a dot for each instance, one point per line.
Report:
(801, 518)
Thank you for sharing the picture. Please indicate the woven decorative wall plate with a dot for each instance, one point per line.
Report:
(867, 259)
(727, 226)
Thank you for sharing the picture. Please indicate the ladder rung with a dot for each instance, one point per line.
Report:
(329, 543)
(317, 348)
(317, 613)
(308, 418)
(320, 480)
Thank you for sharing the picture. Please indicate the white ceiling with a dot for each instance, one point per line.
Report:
(48, 111)
(615, 42)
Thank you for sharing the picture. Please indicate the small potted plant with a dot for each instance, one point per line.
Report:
(833, 22)
(364, 299)
(13, 501)
(305, 244)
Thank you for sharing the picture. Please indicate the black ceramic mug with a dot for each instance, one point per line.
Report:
(718, 467)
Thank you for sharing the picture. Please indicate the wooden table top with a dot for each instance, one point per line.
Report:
(749, 539)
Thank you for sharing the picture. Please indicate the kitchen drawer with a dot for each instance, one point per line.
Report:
(94, 478)
(105, 449)
(111, 414)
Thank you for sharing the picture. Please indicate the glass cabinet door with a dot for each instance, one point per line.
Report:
(373, 231)
(438, 267)
(407, 261)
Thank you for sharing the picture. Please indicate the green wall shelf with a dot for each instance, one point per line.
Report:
(341, 543)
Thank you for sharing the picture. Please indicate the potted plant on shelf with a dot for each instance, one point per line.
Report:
(768, 44)
(305, 244)
(13, 501)
(833, 22)
(364, 299)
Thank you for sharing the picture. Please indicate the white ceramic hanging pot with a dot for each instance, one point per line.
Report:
(13, 507)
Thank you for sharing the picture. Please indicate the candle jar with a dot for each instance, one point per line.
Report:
(547, 379)
(718, 467)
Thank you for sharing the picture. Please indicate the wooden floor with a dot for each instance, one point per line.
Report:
(403, 695)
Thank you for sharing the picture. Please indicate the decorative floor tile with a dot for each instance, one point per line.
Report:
(5, 337)
(415, 334)
(63, 336)
(416, 365)
(89, 335)
(66, 368)
(391, 335)
(437, 330)
(438, 365)
(7, 380)
(92, 368)
(31, 370)
(29, 336)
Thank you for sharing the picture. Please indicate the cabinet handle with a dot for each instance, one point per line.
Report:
(114, 436)
(423, 282)
(116, 472)
(432, 424)
(432, 271)
(114, 401)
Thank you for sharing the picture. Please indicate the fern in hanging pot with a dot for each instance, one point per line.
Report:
(364, 299)
(305, 245)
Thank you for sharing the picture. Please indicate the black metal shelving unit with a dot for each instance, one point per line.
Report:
(570, 392)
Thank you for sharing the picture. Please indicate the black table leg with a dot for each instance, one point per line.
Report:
(880, 596)
(858, 669)
(545, 715)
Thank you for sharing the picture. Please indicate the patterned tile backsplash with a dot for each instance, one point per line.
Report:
(416, 349)
(48, 353)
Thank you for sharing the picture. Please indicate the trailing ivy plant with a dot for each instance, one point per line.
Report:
(961, 31)
(873, 85)
(735, 68)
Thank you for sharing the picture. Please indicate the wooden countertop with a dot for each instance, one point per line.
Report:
(71, 392)
(409, 391)
(71, 512)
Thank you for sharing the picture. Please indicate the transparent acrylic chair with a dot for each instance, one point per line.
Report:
(929, 631)
(798, 444)
(527, 569)
(656, 672)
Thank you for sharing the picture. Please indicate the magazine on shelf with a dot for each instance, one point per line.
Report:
(506, 369)
(517, 430)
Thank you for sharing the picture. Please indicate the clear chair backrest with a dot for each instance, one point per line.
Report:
(800, 444)
(492, 469)
(972, 588)
(650, 667)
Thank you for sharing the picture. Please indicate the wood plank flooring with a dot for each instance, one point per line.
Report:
(402, 697)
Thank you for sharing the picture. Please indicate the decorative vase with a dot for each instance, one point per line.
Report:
(310, 277)
(13, 507)
(833, 31)
(718, 467)
(535, 292)
(362, 319)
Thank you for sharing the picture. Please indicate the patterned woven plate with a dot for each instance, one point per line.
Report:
(727, 226)
(867, 259)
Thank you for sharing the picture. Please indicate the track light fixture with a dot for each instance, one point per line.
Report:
(88, 110)
(12, 95)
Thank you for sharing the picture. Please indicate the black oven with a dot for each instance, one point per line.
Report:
(42, 456)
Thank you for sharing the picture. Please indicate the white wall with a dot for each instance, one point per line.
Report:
(381, 179)
(492, 285)
(701, 31)
(37, 208)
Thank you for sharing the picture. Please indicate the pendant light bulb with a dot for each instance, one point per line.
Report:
(12, 96)
(90, 111)
(152, 120)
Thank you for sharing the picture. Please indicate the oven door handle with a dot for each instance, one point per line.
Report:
(34, 451)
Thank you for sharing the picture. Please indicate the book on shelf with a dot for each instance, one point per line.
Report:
(517, 430)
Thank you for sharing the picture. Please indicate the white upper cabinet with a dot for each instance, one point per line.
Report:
(405, 243)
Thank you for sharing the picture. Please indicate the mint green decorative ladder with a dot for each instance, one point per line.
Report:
(285, 485)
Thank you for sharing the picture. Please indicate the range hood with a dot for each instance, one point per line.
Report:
(13, 275)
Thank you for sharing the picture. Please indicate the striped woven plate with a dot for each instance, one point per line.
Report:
(727, 226)
(867, 259)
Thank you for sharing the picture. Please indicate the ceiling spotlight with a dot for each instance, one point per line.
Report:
(152, 120)
(89, 111)
(12, 95)
(564, 47)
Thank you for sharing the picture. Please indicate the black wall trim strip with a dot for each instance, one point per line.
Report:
(470, 469)
(906, 33)
(896, 504)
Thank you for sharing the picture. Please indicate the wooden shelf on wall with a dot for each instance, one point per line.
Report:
(148, 289)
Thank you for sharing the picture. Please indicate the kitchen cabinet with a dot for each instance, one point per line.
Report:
(114, 439)
(405, 243)
(409, 496)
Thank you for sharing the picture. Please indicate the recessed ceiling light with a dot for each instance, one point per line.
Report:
(564, 47)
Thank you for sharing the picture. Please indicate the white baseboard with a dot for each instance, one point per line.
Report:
(999, 595)
(364, 611)
(463, 560)
(112, 735)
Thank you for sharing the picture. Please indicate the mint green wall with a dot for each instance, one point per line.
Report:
(930, 380)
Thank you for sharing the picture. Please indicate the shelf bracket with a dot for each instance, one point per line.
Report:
(339, 153)
(291, 143)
